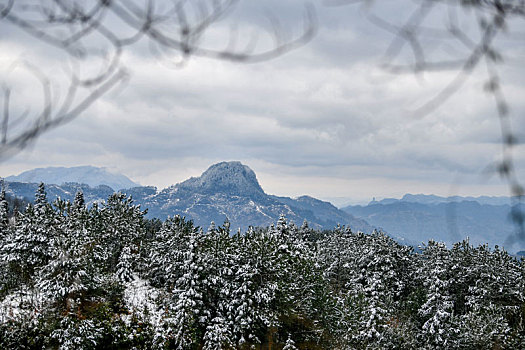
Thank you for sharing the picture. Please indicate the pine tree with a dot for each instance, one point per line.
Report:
(6, 278)
(336, 257)
(66, 277)
(306, 233)
(217, 261)
(166, 252)
(70, 275)
(121, 235)
(254, 284)
(41, 198)
(290, 344)
(79, 202)
(30, 245)
(187, 312)
(437, 311)
(4, 211)
(482, 280)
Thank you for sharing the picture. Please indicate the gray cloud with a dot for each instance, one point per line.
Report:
(322, 116)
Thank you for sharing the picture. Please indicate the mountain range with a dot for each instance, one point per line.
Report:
(89, 175)
(225, 191)
(433, 199)
(230, 190)
(414, 221)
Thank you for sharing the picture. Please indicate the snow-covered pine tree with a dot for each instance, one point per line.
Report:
(282, 225)
(253, 298)
(242, 312)
(41, 197)
(5, 277)
(483, 279)
(384, 272)
(336, 256)
(64, 278)
(165, 254)
(186, 312)
(77, 334)
(290, 344)
(122, 234)
(29, 245)
(79, 203)
(306, 233)
(71, 274)
(369, 275)
(335, 260)
(437, 310)
(302, 291)
(4, 211)
(218, 261)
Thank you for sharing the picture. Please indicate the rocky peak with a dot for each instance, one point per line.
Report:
(232, 178)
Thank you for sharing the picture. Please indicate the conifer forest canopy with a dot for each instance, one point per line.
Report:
(104, 277)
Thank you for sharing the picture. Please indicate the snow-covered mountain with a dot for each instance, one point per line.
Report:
(67, 191)
(89, 175)
(230, 190)
(231, 178)
(227, 190)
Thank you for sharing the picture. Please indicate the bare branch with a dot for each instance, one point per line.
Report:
(84, 29)
(5, 118)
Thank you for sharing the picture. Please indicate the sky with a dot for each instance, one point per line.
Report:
(325, 119)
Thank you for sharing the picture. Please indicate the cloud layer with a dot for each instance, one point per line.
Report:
(324, 119)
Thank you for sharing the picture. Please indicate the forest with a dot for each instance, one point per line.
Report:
(104, 277)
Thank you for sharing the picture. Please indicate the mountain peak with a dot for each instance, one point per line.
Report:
(233, 178)
(89, 175)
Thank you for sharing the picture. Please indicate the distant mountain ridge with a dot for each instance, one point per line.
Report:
(226, 190)
(65, 191)
(417, 219)
(433, 199)
(92, 176)
(230, 190)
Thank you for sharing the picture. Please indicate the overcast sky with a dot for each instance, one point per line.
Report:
(324, 119)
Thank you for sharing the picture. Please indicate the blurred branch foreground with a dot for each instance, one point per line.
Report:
(87, 38)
